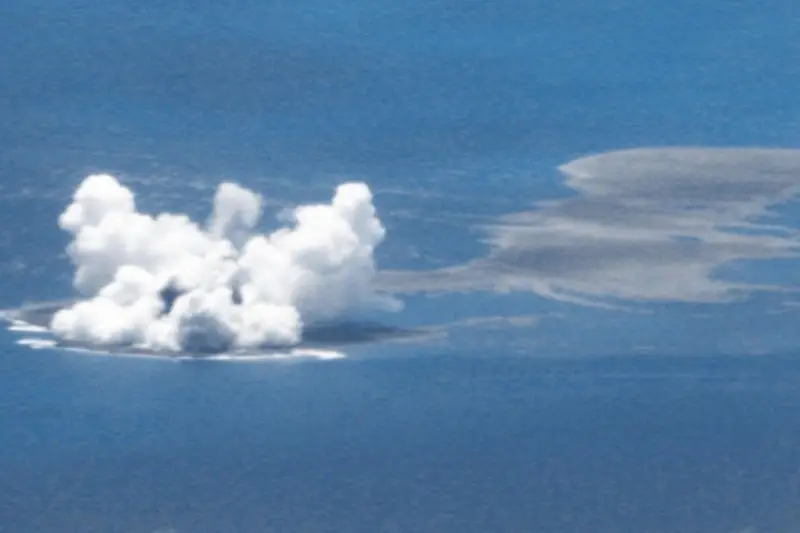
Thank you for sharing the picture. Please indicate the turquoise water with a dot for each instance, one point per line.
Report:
(671, 407)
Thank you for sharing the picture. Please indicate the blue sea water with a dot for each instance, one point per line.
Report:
(516, 412)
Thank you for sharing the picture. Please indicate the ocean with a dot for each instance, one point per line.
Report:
(590, 221)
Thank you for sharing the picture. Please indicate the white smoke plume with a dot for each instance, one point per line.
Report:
(166, 283)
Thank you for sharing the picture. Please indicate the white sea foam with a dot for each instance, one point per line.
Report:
(295, 353)
(20, 326)
(37, 343)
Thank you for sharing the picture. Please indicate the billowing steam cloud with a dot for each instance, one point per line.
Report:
(165, 283)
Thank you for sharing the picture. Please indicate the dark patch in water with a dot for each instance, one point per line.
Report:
(344, 333)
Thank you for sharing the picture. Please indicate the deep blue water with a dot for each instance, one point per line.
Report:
(675, 418)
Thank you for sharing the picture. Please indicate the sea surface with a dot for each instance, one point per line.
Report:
(611, 347)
